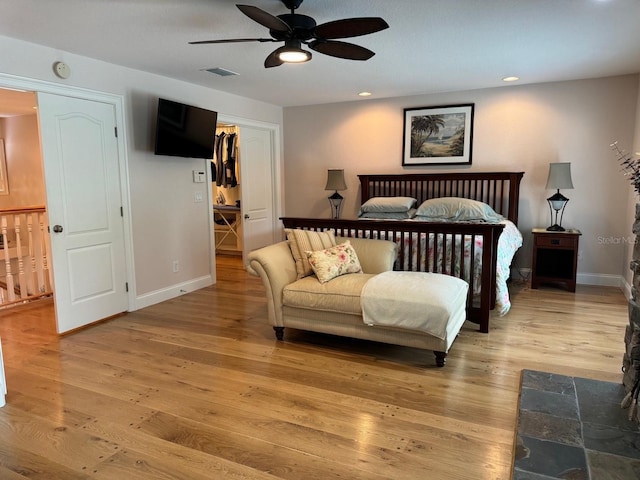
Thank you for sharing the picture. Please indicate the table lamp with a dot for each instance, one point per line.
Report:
(335, 181)
(559, 178)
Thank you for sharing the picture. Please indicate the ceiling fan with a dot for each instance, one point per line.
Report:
(295, 30)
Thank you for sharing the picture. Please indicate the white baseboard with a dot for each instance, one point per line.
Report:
(523, 274)
(626, 288)
(601, 279)
(173, 291)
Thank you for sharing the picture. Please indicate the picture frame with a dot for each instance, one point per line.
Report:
(439, 135)
(4, 181)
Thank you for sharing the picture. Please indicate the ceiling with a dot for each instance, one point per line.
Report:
(431, 45)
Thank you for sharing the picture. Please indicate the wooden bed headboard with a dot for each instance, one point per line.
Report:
(500, 190)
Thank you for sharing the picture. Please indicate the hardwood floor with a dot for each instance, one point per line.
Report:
(198, 388)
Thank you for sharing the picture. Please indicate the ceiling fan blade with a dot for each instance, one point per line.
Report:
(350, 27)
(263, 18)
(233, 40)
(341, 50)
(273, 60)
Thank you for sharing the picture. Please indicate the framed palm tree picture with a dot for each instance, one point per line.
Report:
(440, 135)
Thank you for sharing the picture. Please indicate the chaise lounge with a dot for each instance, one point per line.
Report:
(334, 307)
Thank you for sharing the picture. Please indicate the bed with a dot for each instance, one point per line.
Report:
(476, 251)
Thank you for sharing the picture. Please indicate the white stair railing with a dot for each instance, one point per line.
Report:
(24, 257)
(44, 279)
(8, 283)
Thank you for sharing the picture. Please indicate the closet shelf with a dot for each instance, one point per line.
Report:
(228, 234)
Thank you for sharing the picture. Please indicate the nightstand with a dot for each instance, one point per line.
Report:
(555, 257)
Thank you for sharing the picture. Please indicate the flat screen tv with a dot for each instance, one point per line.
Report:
(184, 130)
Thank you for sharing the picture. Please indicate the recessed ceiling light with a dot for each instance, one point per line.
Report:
(511, 79)
(365, 94)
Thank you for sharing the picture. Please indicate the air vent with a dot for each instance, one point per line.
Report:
(223, 72)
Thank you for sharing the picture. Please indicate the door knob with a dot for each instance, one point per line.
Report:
(246, 216)
(57, 228)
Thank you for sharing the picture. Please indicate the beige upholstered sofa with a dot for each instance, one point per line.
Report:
(334, 307)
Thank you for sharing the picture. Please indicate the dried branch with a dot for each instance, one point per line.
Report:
(630, 166)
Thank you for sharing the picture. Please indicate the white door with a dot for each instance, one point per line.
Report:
(80, 155)
(256, 182)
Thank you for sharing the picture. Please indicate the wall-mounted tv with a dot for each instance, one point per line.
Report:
(184, 130)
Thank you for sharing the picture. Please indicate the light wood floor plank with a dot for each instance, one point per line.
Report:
(198, 388)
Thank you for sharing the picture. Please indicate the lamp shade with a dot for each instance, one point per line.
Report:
(335, 180)
(559, 176)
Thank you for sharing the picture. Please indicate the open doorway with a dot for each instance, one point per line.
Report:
(71, 126)
(254, 203)
(24, 249)
(226, 184)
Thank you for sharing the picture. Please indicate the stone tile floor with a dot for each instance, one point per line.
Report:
(573, 428)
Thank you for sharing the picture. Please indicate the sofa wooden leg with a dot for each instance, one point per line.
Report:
(441, 358)
(279, 332)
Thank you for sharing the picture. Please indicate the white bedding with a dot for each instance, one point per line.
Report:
(509, 242)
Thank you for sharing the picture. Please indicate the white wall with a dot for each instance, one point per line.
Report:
(167, 224)
(517, 128)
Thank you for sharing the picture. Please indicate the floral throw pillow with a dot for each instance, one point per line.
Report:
(332, 262)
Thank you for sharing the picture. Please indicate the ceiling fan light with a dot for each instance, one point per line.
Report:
(294, 55)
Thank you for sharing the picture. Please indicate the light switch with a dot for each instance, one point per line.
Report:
(197, 197)
(199, 176)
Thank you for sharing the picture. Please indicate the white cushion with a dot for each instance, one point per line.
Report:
(342, 294)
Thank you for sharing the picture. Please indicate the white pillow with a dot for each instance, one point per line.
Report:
(332, 262)
(457, 209)
(388, 204)
(389, 215)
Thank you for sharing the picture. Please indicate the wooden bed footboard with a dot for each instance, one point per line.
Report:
(448, 248)
(423, 244)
